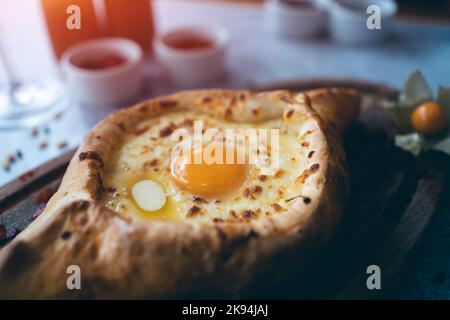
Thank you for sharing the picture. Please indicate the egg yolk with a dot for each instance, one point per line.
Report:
(208, 179)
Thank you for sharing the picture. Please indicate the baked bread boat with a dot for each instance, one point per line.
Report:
(219, 230)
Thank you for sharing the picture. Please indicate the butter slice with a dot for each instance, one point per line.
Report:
(148, 195)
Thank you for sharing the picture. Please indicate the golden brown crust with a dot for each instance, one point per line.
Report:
(126, 258)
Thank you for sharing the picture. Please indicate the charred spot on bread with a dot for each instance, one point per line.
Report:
(193, 211)
(141, 130)
(233, 214)
(307, 133)
(290, 113)
(82, 219)
(167, 104)
(276, 207)
(287, 98)
(100, 188)
(248, 214)
(253, 192)
(91, 155)
(279, 173)
(143, 108)
(187, 122)
(228, 113)
(198, 199)
(307, 172)
(66, 235)
(233, 102)
(121, 126)
(206, 99)
(166, 131)
(262, 178)
(230, 244)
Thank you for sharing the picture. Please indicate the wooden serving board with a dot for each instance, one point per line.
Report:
(393, 198)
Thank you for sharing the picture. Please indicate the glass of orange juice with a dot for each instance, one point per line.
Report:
(69, 22)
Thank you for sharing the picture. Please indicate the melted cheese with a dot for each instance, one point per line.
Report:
(146, 154)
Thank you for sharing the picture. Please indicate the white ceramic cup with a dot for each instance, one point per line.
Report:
(348, 20)
(103, 86)
(193, 66)
(304, 20)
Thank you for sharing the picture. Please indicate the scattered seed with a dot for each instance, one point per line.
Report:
(19, 154)
(62, 144)
(8, 161)
(34, 132)
(43, 145)
(10, 158)
(57, 115)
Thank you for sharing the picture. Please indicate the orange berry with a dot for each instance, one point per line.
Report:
(428, 118)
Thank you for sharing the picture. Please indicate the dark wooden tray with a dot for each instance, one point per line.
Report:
(393, 198)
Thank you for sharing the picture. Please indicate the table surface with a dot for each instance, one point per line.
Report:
(255, 57)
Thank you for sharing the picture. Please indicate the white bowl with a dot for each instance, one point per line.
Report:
(349, 25)
(193, 66)
(306, 19)
(103, 86)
